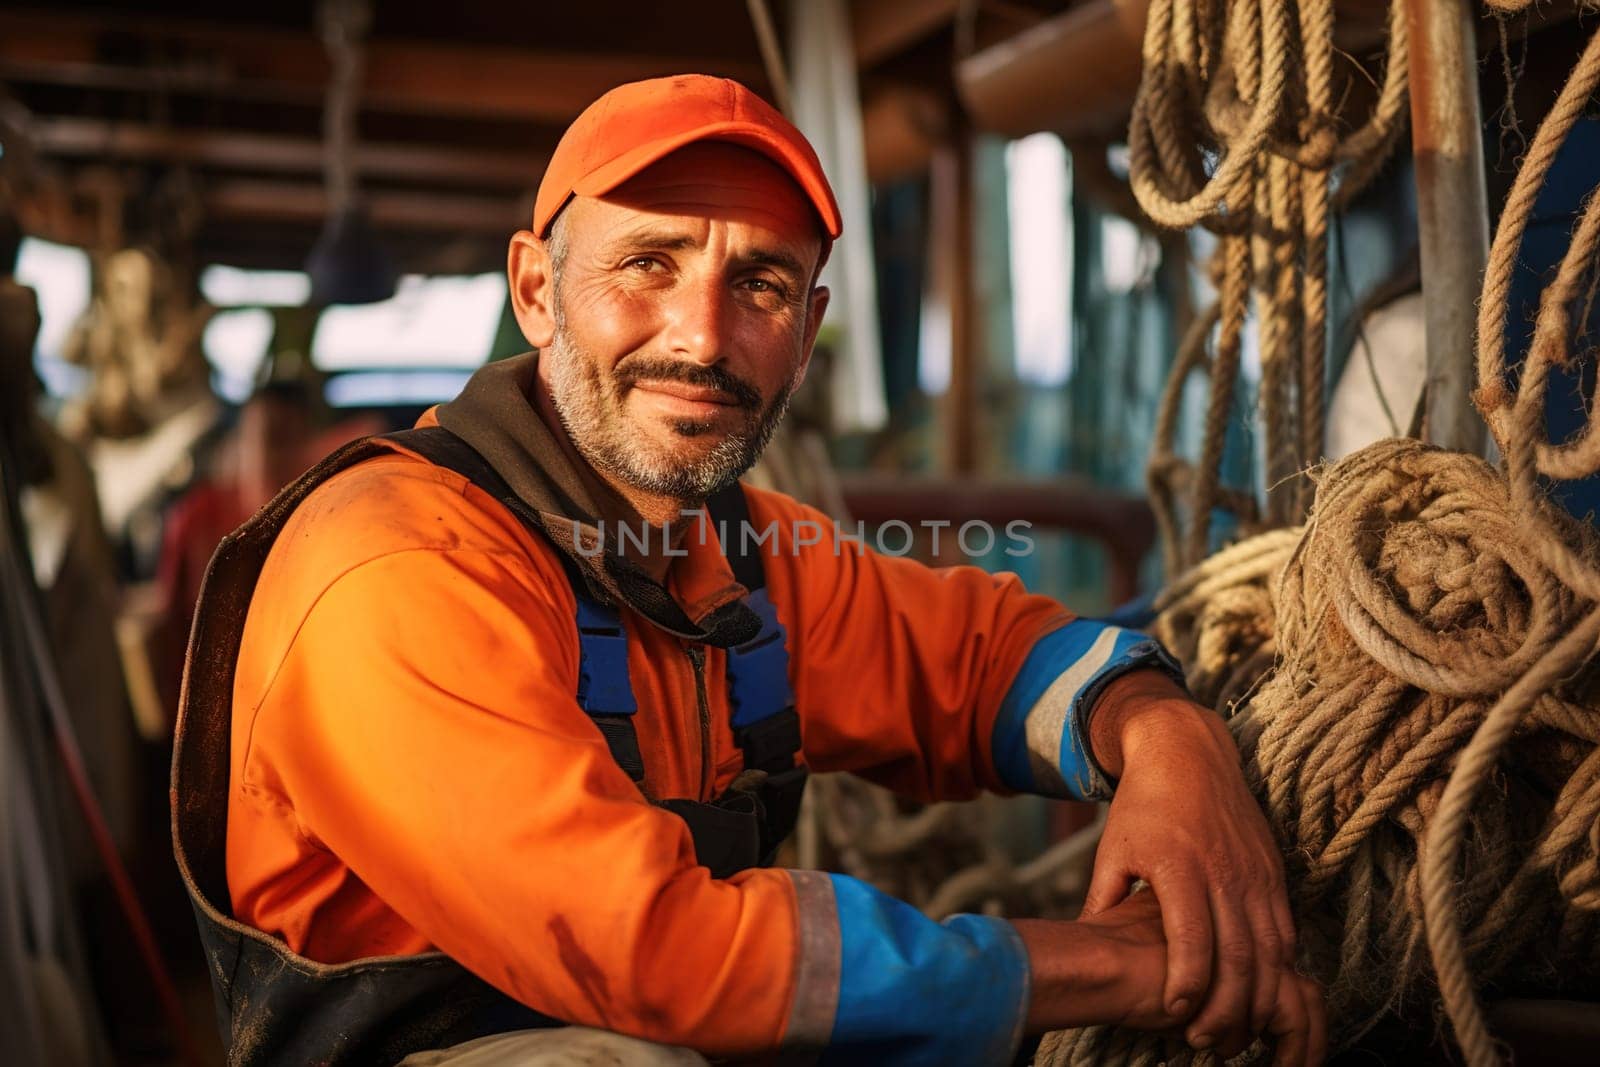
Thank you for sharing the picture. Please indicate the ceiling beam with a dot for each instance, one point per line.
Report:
(80, 138)
(291, 202)
(412, 77)
(884, 28)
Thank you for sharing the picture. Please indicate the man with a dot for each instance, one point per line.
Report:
(536, 765)
(265, 452)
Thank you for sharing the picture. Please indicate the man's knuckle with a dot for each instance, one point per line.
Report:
(1174, 864)
(1272, 879)
(1191, 932)
(1271, 945)
(1227, 871)
(1236, 953)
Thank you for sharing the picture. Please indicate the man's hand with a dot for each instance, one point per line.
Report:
(1110, 970)
(1184, 821)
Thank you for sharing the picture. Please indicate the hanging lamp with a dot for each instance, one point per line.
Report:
(348, 264)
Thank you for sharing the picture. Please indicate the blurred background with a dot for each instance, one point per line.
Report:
(232, 242)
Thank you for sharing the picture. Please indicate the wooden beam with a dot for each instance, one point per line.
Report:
(884, 28)
(902, 127)
(271, 64)
(1075, 74)
(1122, 523)
(1452, 210)
(79, 138)
(308, 202)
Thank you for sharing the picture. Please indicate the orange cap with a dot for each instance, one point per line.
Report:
(636, 124)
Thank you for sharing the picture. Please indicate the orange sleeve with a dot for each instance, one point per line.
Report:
(423, 727)
(899, 669)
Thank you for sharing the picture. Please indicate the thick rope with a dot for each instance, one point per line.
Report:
(1378, 669)
(1224, 377)
(1494, 394)
(1277, 202)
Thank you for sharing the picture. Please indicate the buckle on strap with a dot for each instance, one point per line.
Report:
(771, 743)
(758, 670)
(605, 693)
(603, 684)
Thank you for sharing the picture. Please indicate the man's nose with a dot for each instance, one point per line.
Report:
(696, 326)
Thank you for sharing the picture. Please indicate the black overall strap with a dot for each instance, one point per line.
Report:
(765, 725)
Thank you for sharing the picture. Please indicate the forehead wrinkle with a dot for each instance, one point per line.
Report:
(663, 236)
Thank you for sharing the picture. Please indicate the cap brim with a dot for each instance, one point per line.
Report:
(805, 171)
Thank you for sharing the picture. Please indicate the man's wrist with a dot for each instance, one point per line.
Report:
(1135, 707)
(1072, 974)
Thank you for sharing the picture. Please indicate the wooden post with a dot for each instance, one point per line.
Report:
(1452, 210)
(951, 195)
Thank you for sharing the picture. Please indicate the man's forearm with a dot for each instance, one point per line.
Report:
(1104, 969)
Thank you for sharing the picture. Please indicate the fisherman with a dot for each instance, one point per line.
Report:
(494, 725)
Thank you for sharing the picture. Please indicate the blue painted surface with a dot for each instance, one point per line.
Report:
(1572, 177)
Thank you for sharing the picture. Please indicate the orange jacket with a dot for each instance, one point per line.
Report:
(410, 770)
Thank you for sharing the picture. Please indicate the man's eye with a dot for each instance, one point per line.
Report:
(643, 264)
(762, 285)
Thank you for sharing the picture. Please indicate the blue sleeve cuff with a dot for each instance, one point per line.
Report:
(1040, 740)
(908, 991)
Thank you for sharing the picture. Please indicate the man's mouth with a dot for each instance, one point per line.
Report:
(684, 404)
(690, 394)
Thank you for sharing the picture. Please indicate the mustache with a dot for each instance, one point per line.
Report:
(631, 372)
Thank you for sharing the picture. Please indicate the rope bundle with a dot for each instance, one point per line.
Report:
(1413, 602)
(1413, 609)
(1426, 741)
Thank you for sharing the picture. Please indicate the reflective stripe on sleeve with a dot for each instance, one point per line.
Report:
(904, 989)
(1038, 740)
(816, 972)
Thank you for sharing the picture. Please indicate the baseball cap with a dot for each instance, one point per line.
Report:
(634, 125)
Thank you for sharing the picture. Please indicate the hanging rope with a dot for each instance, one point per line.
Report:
(343, 25)
(1250, 85)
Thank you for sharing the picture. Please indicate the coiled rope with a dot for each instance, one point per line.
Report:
(1427, 742)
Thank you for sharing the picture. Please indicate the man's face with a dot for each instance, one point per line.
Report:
(683, 318)
(273, 433)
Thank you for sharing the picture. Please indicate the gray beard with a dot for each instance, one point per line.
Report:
(591, 411)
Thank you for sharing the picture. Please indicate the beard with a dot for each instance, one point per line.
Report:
(590, 404)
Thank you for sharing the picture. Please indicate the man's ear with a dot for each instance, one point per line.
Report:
(818, 305)
(533, 289)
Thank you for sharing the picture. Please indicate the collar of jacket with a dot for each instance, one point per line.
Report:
(496, 416)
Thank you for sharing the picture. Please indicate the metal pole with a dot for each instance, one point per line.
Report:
(1452, 209)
